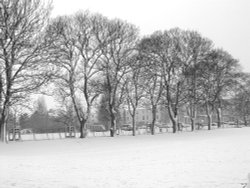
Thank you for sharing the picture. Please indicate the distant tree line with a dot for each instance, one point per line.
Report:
(41, 120)
(85, 56)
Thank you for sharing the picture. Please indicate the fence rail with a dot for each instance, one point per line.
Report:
(64, 134)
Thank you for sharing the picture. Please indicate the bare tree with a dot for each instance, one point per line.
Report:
(194, 50)
(77, 55)
(23, 56)
(66, 59)
(150, 50)
(154, 94)
(135, 88)
(217, 76)
(226, 72)
(163, 51)
(90, 52)
(117, 43)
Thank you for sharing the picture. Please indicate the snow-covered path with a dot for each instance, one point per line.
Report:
(209, 159)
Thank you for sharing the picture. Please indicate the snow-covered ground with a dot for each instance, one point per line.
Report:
(202, 159)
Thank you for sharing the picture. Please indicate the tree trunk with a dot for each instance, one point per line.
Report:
(245, 121)
(209, 119)
(113, 124)
(83, 130)
(192, 116)
(193, 122)
(3, 132)
(153, 126)
(133, 124)
(153, 121)
(193, 109)
(174, 122)
(218, 110)
(3, 128)
(173, 118)
(179, 126)
(3, 123)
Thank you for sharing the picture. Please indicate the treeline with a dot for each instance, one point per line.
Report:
(83, 56)
(42, 120)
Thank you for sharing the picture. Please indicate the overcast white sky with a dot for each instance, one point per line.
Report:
(226, 22)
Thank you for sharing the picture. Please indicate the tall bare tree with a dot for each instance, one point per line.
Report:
(135, 88)
(23, 54)
(226, 71)
(77, 54)
(218, 71)
(117, 43)
(194, 50)
(163, 50)
(150, 50)
(154, 94)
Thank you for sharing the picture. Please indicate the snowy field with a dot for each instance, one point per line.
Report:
(202, 159)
